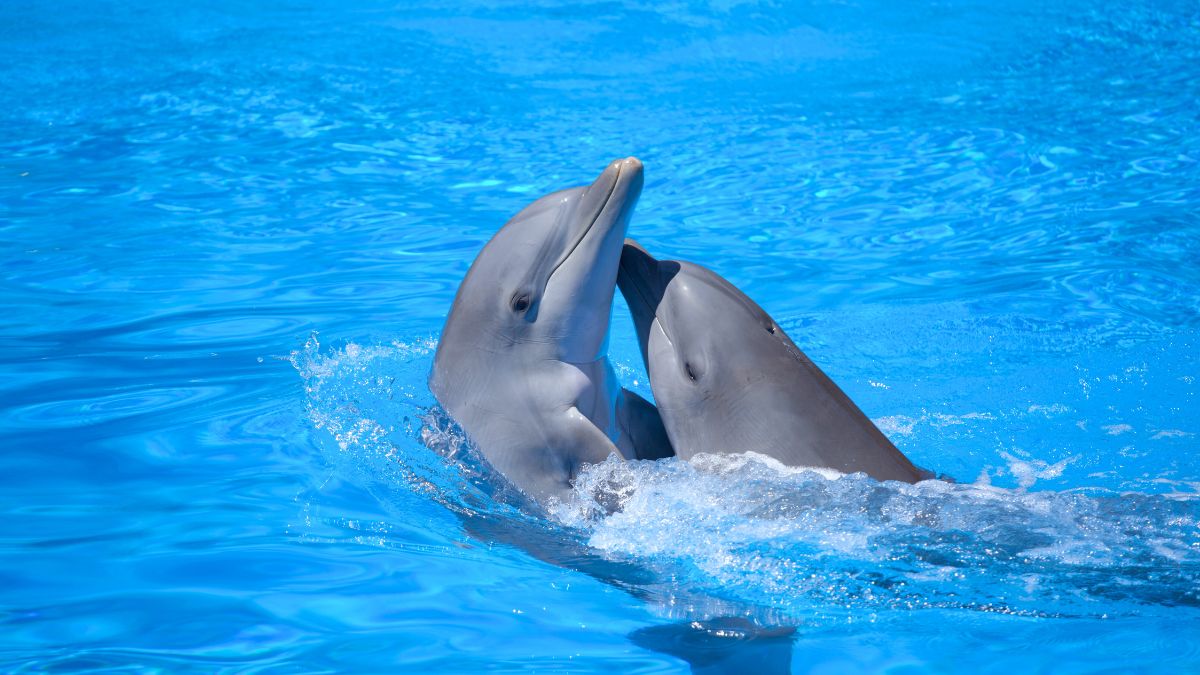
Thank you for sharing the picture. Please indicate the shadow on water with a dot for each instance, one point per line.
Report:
(725, 644)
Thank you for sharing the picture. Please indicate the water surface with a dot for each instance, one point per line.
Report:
(978, 218)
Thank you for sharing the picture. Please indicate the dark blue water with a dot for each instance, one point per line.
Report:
(230, 234)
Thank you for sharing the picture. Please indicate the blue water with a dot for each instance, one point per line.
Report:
(230, 233)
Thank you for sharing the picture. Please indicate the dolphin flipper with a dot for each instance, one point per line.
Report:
(643, 435)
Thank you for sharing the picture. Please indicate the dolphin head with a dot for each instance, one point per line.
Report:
(545, 281)
(710, 351)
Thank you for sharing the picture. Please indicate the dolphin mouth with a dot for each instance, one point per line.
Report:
(622, 173)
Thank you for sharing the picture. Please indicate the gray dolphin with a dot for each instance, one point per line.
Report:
(727, 379)
(522, 361)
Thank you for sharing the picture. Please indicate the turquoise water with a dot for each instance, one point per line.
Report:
(230, 234)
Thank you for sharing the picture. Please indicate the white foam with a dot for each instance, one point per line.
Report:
(746, 528)
(784, 535)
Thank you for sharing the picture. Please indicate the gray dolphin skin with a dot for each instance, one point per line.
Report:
(727, 379)
(522, 361)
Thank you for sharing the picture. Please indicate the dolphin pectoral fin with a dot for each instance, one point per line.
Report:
(643, 435)
(589, 445)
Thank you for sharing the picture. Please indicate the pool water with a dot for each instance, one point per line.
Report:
(230, 233)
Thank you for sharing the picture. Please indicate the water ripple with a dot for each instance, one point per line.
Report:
(101, 409)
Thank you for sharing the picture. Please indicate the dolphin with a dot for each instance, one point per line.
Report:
(522, 361)
(727, 379)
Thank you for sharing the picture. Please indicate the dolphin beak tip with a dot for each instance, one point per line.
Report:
(628, 168)
(632, 167)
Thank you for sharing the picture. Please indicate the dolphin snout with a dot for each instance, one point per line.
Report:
(626, 170)
(628, 174)
(636, 262)
(639, 278)
(615, 190)
(643, 277)
(643, 284)
(635, 251)
(629, 164)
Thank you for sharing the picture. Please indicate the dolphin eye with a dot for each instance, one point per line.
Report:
(771, 328)
(520, 303)
(687, 368)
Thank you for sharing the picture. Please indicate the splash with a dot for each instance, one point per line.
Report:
(387, 429)
(747, 530)
(797, 539)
